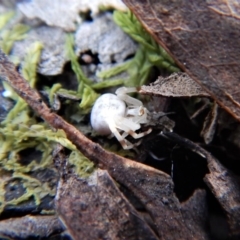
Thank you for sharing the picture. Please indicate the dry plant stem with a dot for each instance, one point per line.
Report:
(154, 188)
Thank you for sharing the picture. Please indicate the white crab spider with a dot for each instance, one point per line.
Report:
(120, 115)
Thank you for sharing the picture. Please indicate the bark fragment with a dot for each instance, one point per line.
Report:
(30, 227)
(94, 208)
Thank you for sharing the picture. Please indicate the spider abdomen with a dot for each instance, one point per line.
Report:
(107, 107)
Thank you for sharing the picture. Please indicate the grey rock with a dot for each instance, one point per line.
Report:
(104, 37)
(59, 13)
(65, 14)
(53, 55)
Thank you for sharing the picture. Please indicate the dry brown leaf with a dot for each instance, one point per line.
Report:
(196, 221)
(226, 187)
(94, 208)
(176, 85)
(203, 38)
(28, 227)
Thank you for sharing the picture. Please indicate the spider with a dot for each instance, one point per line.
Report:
(119, 115)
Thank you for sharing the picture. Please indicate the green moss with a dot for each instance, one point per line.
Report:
(21, 129)
(5, 17)
(54, 89)
(82, 165)
(19, 113)
(86, 87)
(148, 55)
(107, 84)
(9, 36)
(33, 188)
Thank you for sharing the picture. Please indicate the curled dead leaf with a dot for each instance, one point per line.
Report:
(176, 85)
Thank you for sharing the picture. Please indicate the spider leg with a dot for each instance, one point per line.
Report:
(126, 124)
(122, 94)
(124, 90)
(125, 143)
(125, 134)
(139, 135)
(138, 114)
(129, 127)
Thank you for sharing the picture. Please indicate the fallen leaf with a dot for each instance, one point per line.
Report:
(203, 38)
(195, 213)
(226, 187)
(30, 227)
(176, 85)
(94, 208)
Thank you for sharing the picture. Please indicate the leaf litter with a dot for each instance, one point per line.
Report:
(153, 188)
(208, 53)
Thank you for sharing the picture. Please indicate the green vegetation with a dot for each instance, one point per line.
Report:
(148, 55)
(9, 36)
(21, 129)
(86, 88)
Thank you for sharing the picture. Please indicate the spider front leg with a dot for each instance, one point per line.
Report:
(135, 109)
(129, 127)
(138, 114)
(125, 143)
(122, 94)
(139, 135)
